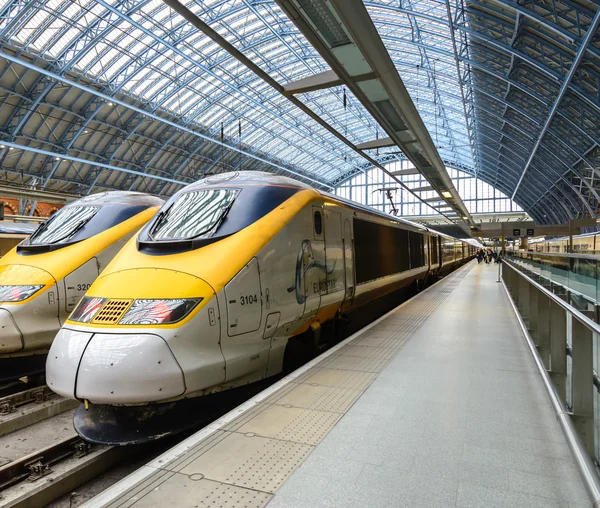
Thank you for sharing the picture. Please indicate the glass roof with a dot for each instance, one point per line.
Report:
(509, 91)
(145, 50)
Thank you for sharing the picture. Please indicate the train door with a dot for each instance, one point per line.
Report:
(348, 244)
(313, 263)
(332, 291)
(243, 346)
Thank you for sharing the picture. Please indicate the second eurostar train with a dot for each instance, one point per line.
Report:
(43, 278)
(214, 292)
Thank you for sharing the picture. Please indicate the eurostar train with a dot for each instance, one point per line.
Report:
(214, 292)
(43, 278)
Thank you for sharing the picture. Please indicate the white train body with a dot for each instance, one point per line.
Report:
(255, 282)
(43, 278)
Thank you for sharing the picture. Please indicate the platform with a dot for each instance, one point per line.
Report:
(437, 404)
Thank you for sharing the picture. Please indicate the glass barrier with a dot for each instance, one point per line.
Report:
(579, 273)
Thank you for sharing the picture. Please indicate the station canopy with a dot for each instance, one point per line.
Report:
(103, 94)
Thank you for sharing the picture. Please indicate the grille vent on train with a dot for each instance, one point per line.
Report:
(111, 312)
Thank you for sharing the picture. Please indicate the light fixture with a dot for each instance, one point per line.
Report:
(56, 158)
(11, 148)
(446, 194)
(2, 146)
(85, 132)
(110, 104)
(464, 217)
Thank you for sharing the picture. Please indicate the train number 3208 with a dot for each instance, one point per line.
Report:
(248, 300)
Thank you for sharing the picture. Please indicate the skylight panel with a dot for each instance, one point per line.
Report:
(137, 78)
(99, 68)
(65, 40)
(51, 31)
(31, 27)
(149, 92)
(117, 66)
(92, 14)
(90, 55)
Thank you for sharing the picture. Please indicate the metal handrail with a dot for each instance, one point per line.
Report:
(583, 461)
(592, 257)
(568, 289)
(592, 325)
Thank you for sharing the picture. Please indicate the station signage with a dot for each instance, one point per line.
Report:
(523, 232)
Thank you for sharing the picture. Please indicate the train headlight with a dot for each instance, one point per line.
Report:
(87, 308)
(17, 293)
(158, 312)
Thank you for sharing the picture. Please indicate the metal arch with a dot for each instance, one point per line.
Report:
(570, 137)
(549, 131)
(530, 61)
(109, 98)
(191, 60)
(563, 90)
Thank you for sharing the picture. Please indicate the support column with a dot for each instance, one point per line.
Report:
(582, 383)
(543, 329)
(558, 349)
(533, 313)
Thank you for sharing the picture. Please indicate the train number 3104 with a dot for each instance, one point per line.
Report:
(248, 300)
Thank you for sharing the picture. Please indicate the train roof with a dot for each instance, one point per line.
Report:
(127, 198)
(367, 209)
(17, 228)
(247, 178)
(264, 178)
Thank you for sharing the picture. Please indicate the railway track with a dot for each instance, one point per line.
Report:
(40, 477)
(32, 405)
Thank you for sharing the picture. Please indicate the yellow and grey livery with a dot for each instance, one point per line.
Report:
(232, 270)
(43, 278)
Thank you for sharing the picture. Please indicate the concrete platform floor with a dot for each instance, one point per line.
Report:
(458, 418)
(437, 405)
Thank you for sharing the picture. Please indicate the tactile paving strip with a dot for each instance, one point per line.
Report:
(249, 461)
(185, 491)
(246, 461)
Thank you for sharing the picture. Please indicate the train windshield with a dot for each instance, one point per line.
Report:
(193, 214)
(63, 225)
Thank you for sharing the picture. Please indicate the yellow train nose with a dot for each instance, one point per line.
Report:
(150, 283)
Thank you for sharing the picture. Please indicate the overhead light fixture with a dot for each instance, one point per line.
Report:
(85, 132)
(2, 146)
(110, 104)
(56, 158)
(446, 194)
(11, 148)
(465, 217)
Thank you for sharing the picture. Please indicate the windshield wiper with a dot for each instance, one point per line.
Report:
(157, 220)
(42, 227)
(71, 233)
(222, 216)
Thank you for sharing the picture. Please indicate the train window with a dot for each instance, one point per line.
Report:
(318, 223)
(417, 253)
(193, 214)
(380, 250)
(63, 225)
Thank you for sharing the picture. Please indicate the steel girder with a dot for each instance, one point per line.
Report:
(510, 58)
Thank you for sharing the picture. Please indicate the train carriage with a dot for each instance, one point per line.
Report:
(213, 291)
(43, 278)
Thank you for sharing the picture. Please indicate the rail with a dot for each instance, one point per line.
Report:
(565, 344)
(579, 273)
